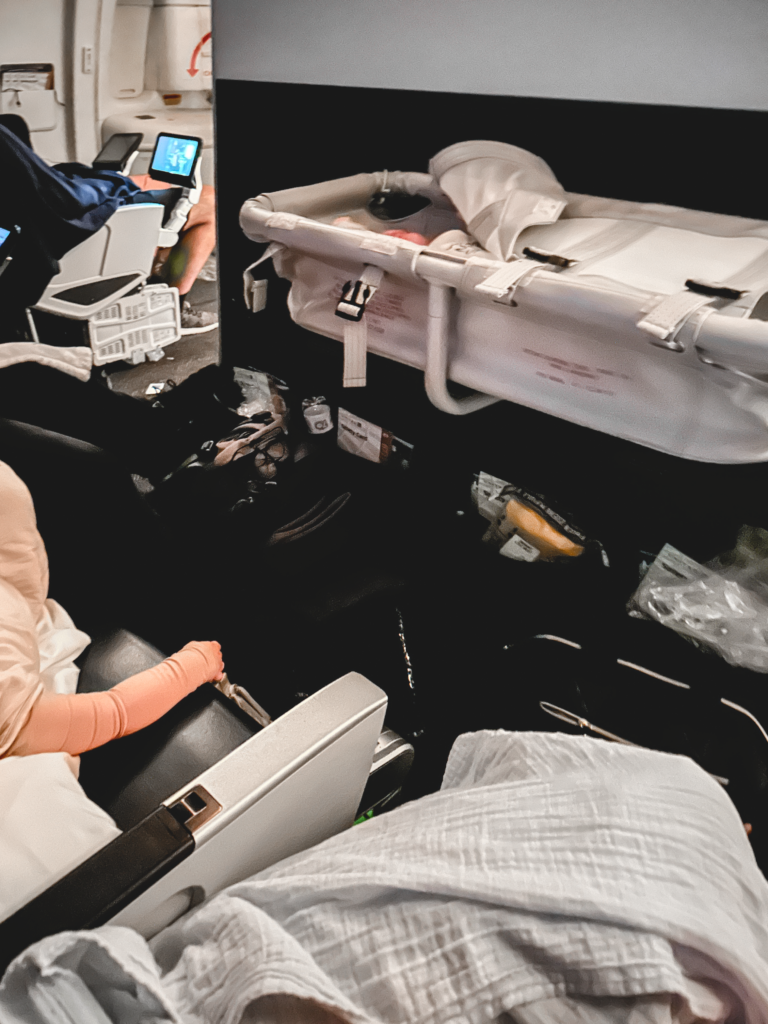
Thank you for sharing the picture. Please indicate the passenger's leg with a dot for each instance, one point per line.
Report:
(182, 263)
(197, 242)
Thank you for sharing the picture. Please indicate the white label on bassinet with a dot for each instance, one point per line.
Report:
(286, 221)
(380, 243)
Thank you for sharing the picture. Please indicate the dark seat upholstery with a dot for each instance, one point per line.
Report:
(97, 579)
(131, 776)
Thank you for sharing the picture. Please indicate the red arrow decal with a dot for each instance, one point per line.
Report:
(192, 70)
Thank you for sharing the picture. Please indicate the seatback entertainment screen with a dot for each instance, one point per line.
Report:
(175, 159)
(8, 238)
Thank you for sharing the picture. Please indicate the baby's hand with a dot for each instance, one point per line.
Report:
(211, 652)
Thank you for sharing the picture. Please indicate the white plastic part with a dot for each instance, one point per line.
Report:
(295, 783)
(123, 248)
(102, 281)
(436, 371)
(136, 327)
(169, 232)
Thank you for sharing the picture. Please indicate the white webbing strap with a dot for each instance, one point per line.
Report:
(356, 335)
(255, 292)
(664, 320)
(502, 283)
(670, 314)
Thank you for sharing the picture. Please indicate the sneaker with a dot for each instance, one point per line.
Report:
(197, 321)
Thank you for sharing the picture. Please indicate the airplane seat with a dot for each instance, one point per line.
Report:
(209, 794)
(102, 282)
(279, 790)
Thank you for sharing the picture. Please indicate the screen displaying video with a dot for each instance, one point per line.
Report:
(3, 235)
(175, 156)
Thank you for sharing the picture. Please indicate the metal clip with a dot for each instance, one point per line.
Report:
(541, 256)
(244, 700)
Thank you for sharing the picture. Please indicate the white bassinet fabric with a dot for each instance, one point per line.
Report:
(499, 190)
(549, 867)
(578, 306)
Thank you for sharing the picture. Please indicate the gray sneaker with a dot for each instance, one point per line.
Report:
(197, 321)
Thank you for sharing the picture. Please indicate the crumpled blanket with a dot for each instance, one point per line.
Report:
(499, 190)
(548, 868)
(76, 360)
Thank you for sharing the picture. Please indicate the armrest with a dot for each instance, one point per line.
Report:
(118, 152)
(102, 885)
(295, 783)
(169, 233)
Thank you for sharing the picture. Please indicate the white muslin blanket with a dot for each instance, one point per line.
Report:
(549, 871)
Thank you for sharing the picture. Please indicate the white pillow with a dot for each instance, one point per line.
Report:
(47, 826)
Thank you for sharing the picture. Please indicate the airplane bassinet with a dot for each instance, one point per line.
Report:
(646, 322)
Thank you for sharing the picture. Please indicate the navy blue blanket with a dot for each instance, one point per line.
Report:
(56, 208)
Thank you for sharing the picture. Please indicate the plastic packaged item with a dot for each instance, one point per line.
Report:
(359, 437)
(255, 391)
(523, 525)
(317, 415)
(722, 605)
(370, 441)
(531, 527)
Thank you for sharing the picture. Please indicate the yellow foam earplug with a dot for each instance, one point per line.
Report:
(536, 530)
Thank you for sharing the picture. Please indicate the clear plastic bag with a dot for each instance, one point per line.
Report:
(722, 605)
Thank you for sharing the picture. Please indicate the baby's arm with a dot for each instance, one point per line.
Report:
(78, 722)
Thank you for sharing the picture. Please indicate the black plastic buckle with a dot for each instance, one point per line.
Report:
(355, 296)
(547, 257)
(715, 291)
